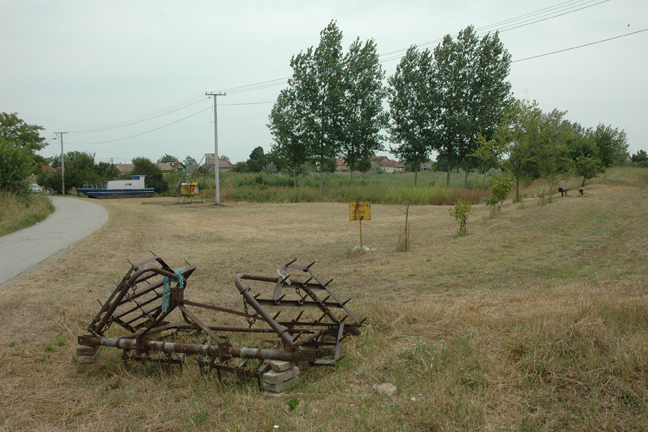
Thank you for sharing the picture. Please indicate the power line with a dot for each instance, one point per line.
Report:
(512, 23)
(580, 46)
(555, 16)
(149, 131)
(563, 5)
(249, 103)
(165, 111)
(396, 55)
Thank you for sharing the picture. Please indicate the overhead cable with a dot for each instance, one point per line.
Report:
(580, 46)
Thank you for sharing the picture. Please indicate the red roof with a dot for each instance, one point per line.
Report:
(47, 168)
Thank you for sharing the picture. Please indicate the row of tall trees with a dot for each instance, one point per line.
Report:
(332, 106)
(440, 100)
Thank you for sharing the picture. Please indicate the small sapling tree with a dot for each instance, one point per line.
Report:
(502, 185)
(460, 212)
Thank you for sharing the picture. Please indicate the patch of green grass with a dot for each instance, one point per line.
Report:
(61, 340)
(49, 346)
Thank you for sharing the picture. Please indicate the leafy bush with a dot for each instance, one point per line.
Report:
(15, 164)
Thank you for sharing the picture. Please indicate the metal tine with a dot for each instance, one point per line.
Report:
(310, 265)
(188, 263)
(322, 302)
(285, 279)
(327, 283)
(360, 323)
(131, 263)
(298, 316)
(297, 336)
(346, 303)
(286, 265)
(113, 281)
(345, 317)
(99, 301)
(276, 315)
(279, 299)
(257, 296)
(320, 318)
(306, 283)
(344, 337)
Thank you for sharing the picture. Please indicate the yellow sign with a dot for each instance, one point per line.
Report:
(360, 210)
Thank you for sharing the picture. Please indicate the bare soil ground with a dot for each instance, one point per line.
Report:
(537, 320)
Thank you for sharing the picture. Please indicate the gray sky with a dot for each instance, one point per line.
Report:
(85, 65)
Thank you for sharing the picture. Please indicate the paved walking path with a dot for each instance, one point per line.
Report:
(73, 220)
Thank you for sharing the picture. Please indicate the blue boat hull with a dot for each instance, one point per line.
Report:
(117, 193)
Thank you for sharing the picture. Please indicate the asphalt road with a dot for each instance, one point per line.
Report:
(73, 220)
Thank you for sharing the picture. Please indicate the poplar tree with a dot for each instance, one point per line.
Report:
(414, 103)
(332, 106)
(471, 77)
(284, 127)
(364, 115)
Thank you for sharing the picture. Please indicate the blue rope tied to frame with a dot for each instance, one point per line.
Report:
(166, 294)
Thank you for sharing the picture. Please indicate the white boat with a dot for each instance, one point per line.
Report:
(133, 188)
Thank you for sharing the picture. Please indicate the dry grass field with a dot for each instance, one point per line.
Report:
(536, 320)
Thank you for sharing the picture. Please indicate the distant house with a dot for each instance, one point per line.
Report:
(223, 166)
(48, 169)
(341, 166)
(387, 164)
(425, 166)
(191, 169)
(124, 168)
(166, 168)
(177, 166)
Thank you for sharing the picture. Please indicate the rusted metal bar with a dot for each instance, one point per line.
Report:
(281, 330)
(219, 309)
(204, 349)
(200, 324)
(297, 303)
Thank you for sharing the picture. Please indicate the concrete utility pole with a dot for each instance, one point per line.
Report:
(217, 187)
(60, 135)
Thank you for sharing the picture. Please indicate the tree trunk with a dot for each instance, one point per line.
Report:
(517, 188)
(351, 177)
(449, 168)
(466, 177)
(484, 176)
(295, 177)
(321, 178)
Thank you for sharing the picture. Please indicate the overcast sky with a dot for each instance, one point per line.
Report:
(79, 66)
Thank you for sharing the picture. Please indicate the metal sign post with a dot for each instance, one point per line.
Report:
(360, 210)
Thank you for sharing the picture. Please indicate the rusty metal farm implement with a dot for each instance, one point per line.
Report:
(159, 324)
